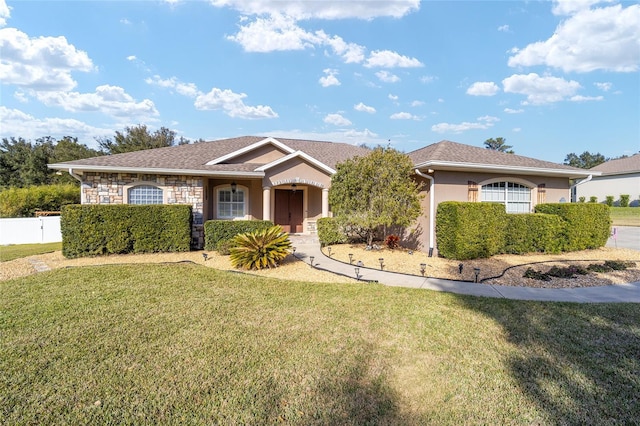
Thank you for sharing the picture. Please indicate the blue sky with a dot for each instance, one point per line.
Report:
(552, 77)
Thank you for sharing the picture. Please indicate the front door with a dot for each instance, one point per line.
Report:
(288, 210)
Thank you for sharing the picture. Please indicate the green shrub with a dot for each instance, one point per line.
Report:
(586, 226)
(91, 230)
(593, 199)
(260, 249)
(624, 200)
(609, 200)
(330, 231)
(582, 199)
(218, 233)
(535, 232)
(470, 230)
(25, 202)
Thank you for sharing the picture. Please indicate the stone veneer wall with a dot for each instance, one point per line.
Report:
(108, 188)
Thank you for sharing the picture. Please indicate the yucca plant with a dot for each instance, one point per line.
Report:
(260, 249)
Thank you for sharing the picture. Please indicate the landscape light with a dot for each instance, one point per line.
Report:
(350, 258)
(477, 272)
(423, 268)
(381, 260)
(311, 260)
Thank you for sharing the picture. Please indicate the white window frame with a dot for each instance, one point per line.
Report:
(510, 198)
(129, 188)
(245, 201)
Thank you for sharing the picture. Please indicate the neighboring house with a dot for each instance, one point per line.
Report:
(288, 180)
(616, 177)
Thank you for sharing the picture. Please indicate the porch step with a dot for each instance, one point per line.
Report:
(301, 239)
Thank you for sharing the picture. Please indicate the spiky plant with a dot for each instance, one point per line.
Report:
(260, 249)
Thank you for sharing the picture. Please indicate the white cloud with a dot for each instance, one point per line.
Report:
(516, 129)
(353, 136)
(18, 123)
(483, 88)
(393, 97)
(540, 90)
(185, 89)
(605, 87)
(42, 63)
(389, 59)
(569, 7)
(349, 52)
(513, 111)
(330, 78)
(580, 98)
(337, 120)
(110, 100)
(232, 104)
(403, 116)
(387, 77)
(274, 33)
(606, 38)
(5, 13)
(332, 9)
(125, 21)
(131, 58)
(417, 103)
(482, 123)
(364, 108)
(503, 28)
(428, 79)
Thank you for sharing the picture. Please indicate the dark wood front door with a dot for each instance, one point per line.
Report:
(288, 210)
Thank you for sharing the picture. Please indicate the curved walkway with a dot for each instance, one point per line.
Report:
(307, 246)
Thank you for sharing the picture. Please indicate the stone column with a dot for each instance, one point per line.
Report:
(325, 202)
(266, 203)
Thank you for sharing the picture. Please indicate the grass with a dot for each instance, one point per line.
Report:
(23, 250)
(134, 344)
(625, 216)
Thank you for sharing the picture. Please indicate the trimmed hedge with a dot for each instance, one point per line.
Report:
(470, 230)
(218, 233)
(25, 202)
(533, 232)
(587, 226)
(330, 231)
(92, 230)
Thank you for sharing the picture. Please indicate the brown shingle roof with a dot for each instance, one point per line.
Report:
(620, 166)
(453, 152)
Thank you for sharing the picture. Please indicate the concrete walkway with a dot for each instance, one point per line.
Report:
(307, 246)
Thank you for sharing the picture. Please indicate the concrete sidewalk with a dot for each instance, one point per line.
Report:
(309, 246)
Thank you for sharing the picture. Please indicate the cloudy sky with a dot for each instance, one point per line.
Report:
(552, 77)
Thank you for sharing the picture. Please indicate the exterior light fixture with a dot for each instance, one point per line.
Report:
(294, 251)
(205, 256)
(234, 186)
(460, 267)
(423, 268)
(477, 272)
(357, 273)
(294, 187)
(381, 260)
(329, 250)
(350, 258)
(311, 260)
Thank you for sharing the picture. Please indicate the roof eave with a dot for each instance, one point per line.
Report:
(495, 168)
(153, 170)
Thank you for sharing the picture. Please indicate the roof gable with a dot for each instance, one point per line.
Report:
(619, 166)
(247, 149)
(297, 154)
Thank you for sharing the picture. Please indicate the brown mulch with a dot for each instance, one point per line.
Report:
(507, 269)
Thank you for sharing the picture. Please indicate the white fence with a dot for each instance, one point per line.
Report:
(30, 230)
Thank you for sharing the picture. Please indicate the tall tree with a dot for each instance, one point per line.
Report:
(137, 138)
(375, 190)
(586, 160)
(68, 149)
(498, 144)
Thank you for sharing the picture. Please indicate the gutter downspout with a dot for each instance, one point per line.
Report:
(587, 179)
(79, 179)
(431, 207)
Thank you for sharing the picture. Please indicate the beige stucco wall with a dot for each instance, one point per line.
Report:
(111, 188)
(454, 186)
(261, 155)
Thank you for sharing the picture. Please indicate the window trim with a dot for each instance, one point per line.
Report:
(129, 187)
(216, 201)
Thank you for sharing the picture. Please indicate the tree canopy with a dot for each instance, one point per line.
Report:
(375, 191)
(586, 160)
(498, 144)
(137, 138)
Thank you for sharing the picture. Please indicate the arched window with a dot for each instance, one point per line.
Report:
(231, 203)
(516, 197)
(144, 194)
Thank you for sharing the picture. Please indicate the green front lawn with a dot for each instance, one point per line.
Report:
(184, 344)
(625, 216)
(23, 250)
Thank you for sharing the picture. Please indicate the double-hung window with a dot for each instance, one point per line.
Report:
(231, 204)
(515, 197)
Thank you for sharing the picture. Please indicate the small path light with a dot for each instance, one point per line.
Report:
(357, 273)
(423, 268)
(477, 272)
(329, 250)
(360, 264)
(294, 251)
(205, 256)
(381, 260)
(311, 260)
(460, 267)
(350, 258)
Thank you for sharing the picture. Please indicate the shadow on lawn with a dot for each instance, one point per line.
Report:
(579, 364)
